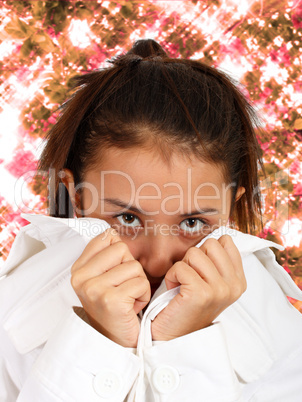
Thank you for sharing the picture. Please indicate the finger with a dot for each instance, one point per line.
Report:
(184, 275)
(98, 243)
(233, 253)
(220, 258)
(136, 291)
(122, 273)
(109, 279)
(108, 258)
(202, 264)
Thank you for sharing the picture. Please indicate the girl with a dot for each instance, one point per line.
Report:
(148, 294)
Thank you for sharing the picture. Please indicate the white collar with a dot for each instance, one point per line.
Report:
(30, 321)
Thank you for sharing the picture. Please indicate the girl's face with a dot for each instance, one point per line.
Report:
(160, 209)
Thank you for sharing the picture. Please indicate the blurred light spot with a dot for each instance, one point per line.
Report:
(7, 185)
(9, 123)
(6, 48)
(291, 233)
(273, 70)
(80, 33)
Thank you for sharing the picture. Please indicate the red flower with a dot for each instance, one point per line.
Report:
(298, 189)
(281, 55)
(297, 17)
(22, 162)
(287, 269)
(265, 93)
(16, 218)
(297, 86)
(97, 57)
(235, 48)
(295, 167)
(51, 120)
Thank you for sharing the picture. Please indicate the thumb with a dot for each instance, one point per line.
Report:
(174, 276)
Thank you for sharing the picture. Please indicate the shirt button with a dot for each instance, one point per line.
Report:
(165, 379)
(107, 383)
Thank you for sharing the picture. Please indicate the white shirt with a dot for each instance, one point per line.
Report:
(252, 352)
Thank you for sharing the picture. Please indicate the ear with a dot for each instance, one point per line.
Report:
(239, 193)
(67, 179)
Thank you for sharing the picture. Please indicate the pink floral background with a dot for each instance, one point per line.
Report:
(44, 44)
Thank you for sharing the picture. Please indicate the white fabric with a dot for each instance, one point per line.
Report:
(253, 351)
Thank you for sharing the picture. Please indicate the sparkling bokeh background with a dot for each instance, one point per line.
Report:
(44, 44)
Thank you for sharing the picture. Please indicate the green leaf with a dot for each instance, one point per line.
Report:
(82, 11)
(23, 25)
(41, 113)
(26, 48)
(127, 10)
(44, 42)
(52, 3)
(17, 29)
(57, 15)
(38, 9)
(104, 11)
(298, 124)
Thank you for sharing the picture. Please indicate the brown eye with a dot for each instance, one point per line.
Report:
(129, 220)
(191, 225)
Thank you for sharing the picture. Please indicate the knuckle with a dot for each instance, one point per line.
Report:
(210, 243)
(90, 291)
(208, 295)
(235, 291)
(75, 281)
(113, 233)
(107, 301)
(137, 266)
(179, 265)
(74, 267)
(223, 292)
(145, 284)
(239, 288)
(122, 247)
(192, 253)
(226, 292)
(209, 246)
(226, 239)
(109, 235)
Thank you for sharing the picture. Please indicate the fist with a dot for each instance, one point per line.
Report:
(112, 288)
(211, 278)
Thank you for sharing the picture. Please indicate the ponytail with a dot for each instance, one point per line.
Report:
(145, 98)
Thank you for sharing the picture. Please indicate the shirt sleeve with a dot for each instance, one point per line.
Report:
(193, 367)
(8, 389)
(78, 363)
(252, 353)
(283, 382)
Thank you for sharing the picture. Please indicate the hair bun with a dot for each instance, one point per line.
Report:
(143, 49)
(147, 48)
(126, 59)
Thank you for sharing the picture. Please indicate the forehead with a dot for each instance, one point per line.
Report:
(142, 177)
(143, 166)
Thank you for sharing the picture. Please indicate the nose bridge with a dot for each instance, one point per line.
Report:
(162, 251)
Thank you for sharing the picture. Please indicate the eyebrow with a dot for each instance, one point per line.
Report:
(203, 211)
(119, 203)
(122, 204)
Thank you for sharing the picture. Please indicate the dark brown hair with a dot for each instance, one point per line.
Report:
(146, 98)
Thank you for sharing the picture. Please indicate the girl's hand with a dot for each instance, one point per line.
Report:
(112, 288)
(211, 278)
